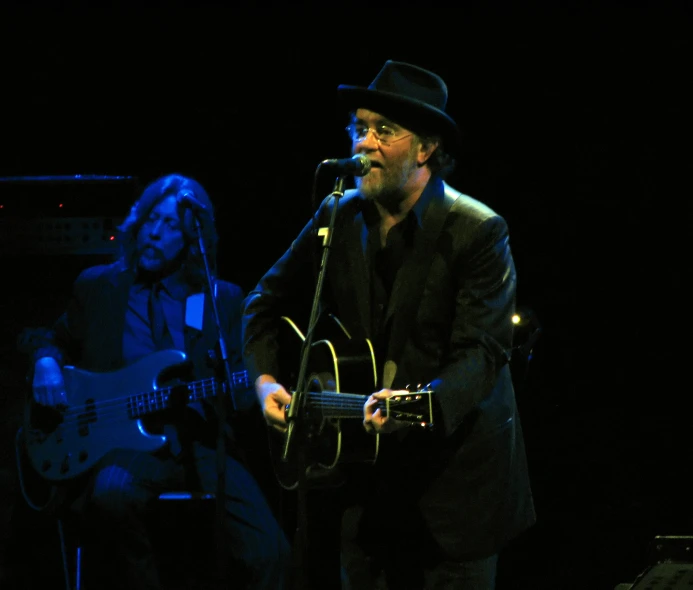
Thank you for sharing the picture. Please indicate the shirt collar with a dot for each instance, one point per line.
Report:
(174, 284)
(433, 187)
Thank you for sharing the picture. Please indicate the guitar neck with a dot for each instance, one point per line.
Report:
(413, 407)
(142, 404)
(331, 404)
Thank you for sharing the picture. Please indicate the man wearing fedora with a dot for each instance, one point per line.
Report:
(424, 274)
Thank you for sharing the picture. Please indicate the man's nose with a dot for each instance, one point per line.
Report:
(156, 227)
(369, 142)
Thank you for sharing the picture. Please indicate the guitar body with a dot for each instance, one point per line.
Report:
(62, 444)
(328, 431)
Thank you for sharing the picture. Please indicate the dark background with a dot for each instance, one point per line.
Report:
(575, 119)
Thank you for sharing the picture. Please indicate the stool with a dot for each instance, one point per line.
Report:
(183, 509)
(42, 496)
(70, 571)
(72, 565)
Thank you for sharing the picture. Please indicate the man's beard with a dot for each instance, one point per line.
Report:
(388, 197)
(160, 267)
(388, 189)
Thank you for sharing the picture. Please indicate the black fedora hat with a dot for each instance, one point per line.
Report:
(411, 95)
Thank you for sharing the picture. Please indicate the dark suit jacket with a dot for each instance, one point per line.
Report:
(90, 332)
(450, 313)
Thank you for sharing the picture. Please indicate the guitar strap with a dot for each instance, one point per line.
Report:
(423, 257)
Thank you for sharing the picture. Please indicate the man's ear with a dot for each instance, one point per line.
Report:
(426, 150)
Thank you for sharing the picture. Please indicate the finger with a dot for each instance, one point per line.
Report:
(371, 406)
(61, 398)
(368, 412)
(284, 398)
(56, 395)
(380, 422)
(275, 416)
(368, 426)
(48, 396)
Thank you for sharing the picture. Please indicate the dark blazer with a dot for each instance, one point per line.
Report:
(450, 312)
(90, 332)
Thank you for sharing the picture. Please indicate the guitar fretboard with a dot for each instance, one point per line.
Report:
(412, 407)
(142, 404)
(337, 405)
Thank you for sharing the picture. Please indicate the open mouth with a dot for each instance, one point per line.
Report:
(150, 251)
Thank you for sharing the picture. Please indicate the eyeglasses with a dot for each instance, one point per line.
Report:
(383, 134)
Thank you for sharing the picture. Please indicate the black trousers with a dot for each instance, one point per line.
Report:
(360, 546)
(113, 514)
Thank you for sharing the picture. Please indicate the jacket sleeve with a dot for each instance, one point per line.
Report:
(286, 289)
(480, 344)
(63, 340)
(233, 302)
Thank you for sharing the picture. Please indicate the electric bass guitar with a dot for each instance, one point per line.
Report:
(329, 428)
(106, 411)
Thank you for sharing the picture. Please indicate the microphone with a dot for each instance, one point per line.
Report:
(187, 198)
(358, 165)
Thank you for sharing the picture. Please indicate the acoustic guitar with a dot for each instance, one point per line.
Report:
(342, 373)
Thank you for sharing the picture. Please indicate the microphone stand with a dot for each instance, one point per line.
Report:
(221, 413)
(295, 411)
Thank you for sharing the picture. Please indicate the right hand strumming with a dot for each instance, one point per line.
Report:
(273, 401)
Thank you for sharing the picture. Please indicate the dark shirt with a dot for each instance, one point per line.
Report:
(385, 262)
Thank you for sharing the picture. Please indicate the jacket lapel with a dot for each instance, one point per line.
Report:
(359, 270)
(193, 335)
(116, 297)
(349, 260)
(411, 277)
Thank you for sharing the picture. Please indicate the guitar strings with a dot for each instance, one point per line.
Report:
(127, 407)
(338, 403)
(239, 379)
(329, 403)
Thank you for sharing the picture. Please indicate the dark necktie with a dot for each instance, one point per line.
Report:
(160, 334)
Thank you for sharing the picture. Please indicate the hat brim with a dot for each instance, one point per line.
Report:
(410, 113)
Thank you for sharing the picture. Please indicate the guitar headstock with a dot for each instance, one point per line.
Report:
(414, 408)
